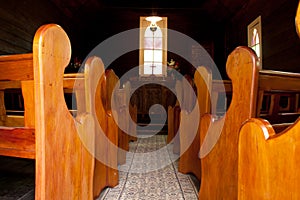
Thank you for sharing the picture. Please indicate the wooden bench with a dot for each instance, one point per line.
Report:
(64, 169)
(128, 118)
(268, 163)
(76, 83)
(219, 138)
(174, 118)
(271, 84)
(106, 135)
(189, 161)
(214, 156)
(278, 96)
(184, 101)
(132, 109)
(114, 96)
(221, 93)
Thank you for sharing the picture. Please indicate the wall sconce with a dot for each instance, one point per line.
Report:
(153, 20)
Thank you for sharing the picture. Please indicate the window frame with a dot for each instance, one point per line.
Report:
(255, 24)
(163, 26)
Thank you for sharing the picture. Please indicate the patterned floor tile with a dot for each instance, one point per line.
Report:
(149, 173)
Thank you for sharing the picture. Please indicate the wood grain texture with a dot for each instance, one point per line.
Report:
(17, 142)
(219, 88)
(112, 84)
(297, 20)
(127, 114)
(268, 163)
(172, 131)
(189, 161)
(174, 119)
(12, 65)
(29, 107)
(64, 167)
(118, 98)
(105, 173)
(219, 138)
(132, 110)
(93, 69)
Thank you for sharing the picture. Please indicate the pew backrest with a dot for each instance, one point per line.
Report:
(64, 167)
(219, 137)
(268, 163)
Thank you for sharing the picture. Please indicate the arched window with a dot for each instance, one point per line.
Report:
(153, 43)
(153, 51)
(254, 37)
(255, 43)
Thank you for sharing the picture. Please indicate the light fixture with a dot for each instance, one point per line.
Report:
(153, 20)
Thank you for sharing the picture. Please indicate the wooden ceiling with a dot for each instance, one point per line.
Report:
(212, 10)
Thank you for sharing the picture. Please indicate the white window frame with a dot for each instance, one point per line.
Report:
(255, 24)
(163, 26)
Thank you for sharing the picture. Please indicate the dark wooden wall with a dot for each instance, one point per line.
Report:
(111, 22)
(281, 46)
(280, 42)
(20, 20)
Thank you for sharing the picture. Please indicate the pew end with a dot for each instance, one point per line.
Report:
(47, 126)
(189, 161)
(268, 162)
(219, 137)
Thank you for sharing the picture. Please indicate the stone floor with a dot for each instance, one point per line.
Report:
(17, 177)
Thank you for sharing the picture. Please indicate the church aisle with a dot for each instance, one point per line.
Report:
(149, 173)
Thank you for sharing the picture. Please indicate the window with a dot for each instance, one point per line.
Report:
(153, 45)
(254, 37)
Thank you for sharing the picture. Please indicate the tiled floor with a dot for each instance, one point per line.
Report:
(151, 172)
(17, 177)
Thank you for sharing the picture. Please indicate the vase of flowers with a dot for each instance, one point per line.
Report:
(173, 65)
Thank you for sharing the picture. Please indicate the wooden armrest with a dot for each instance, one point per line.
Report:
(17, 142)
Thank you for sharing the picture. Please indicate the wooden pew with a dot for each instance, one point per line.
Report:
(186, 104)
(278, 85)
(268, 163)
(132, 111)
(171, 122)
(221, 93)
(273, 83)
(219, 138)
(113, 93)
(224, 183)
(273, 87)
(189, 161)
(127, 113)
(106, 135)
(172, 129)
(75, 83)
(64, 169)
(119, 97)
(123, 124)
(174, 119)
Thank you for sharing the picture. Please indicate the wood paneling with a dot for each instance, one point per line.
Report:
(280, 43)
(19, 20)
(149, 94)
(222, 23)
